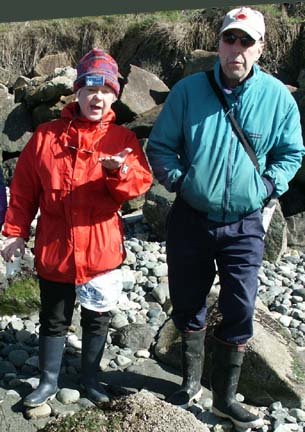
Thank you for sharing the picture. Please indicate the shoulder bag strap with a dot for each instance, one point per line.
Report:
(243, 139)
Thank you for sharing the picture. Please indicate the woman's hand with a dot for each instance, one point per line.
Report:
(114, 162)
(10, 246)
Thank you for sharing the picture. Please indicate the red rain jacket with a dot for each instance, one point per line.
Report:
(79, 233)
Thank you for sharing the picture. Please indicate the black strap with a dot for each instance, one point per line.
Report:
(243, 139)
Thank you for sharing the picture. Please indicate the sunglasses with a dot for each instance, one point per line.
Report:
(231, 38)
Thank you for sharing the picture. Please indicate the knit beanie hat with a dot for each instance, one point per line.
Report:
(96, 68)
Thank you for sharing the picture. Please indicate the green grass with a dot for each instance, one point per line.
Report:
(271, 9)
(22, 297)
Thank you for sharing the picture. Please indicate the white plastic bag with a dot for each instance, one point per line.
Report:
(268, 211)
(101, 293)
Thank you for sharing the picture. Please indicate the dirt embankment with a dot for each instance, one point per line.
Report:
(158, 42)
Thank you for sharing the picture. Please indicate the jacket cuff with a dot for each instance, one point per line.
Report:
(177, 185)
(269, 185)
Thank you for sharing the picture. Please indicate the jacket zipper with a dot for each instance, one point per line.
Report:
(229, 166)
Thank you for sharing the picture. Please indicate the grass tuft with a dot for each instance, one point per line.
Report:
(87, 420)
(22, 297)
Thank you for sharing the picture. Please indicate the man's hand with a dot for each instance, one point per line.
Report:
(114, 162)
(10, 246)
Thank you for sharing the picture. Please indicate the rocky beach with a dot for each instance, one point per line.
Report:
(141, 362)
(130, 363)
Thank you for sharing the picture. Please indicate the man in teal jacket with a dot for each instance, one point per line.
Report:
(216, 218)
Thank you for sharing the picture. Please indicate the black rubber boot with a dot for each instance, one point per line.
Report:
(50, 356)
(92, 352)
(227, 361)
(192, 347)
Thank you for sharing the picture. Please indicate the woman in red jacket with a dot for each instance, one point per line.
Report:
(77, 170)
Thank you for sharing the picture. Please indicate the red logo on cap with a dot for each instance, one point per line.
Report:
(241, 16)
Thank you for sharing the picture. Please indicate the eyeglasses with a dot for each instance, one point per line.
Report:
(77, 149)
(231, 38)
(81, 150)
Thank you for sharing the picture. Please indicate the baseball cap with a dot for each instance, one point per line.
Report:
(249, 20)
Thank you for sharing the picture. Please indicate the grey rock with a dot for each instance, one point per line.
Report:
(67, 396)
(161, 293)
(18, 357)
(119, 321)
(199, 61)
(123, 361)
(23, 335)
(298, 414)
(16, 324)
(6, 367)
(156, 207)
(15, 124)
(49, 63)
(134, 336)
(160, 270)
(142, 91)
(42, 411)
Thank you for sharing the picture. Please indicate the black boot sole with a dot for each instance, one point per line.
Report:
(190, 402)
(258, 423)
(34, 405)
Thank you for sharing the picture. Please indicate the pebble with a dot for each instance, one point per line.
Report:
(142, 354)
(123, 361)
(38, 412)
(68, 396)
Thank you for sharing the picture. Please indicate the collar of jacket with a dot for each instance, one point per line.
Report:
(79, 132)
(245, 85)
(71, 112)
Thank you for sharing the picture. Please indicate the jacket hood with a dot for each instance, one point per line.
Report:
(72, 112)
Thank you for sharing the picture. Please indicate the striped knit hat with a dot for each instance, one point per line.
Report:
(97, 68)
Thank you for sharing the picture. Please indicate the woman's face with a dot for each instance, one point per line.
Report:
(95, 101)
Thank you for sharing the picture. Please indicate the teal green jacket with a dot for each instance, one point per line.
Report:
(193, 138)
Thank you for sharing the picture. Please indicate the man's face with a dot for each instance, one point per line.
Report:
(236, 58)
(95, 101)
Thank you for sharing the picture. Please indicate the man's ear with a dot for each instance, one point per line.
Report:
(260, 50)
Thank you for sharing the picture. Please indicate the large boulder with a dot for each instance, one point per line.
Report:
(293, 207)
(15, 123)
(143, 123)
(136, 203)
(48, 91)
(50, 111)
(50, 62)
(296, 231)
(272, 369)
(199, 61)
(134, 336)
(141, 91)
(157, 204)
(276, 237)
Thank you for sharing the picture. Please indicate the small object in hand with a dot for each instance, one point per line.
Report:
(13, 266)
